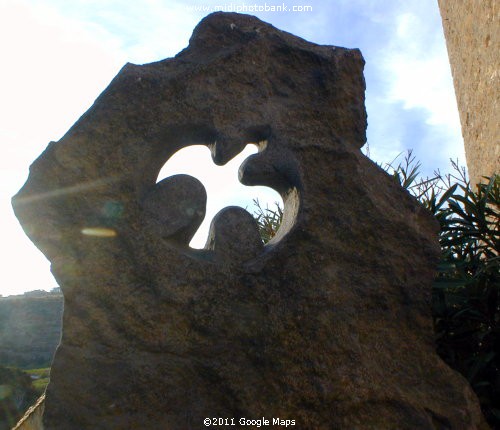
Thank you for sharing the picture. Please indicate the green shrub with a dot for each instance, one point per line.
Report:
(268, 220)
(41, 378)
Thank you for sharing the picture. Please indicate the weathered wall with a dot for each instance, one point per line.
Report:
(471, 28)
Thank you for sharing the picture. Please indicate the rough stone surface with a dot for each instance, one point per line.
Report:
(328, 325)
(472, 31)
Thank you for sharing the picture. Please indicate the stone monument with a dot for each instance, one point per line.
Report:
(328, 326)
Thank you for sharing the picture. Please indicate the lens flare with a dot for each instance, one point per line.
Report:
(99, 232)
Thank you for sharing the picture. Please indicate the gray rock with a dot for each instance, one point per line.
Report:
(234, 237)
(328, 325)
(175, 208)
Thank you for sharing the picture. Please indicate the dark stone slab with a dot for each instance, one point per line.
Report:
(328, 325)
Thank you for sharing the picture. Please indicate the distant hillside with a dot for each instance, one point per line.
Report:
(30, 328)
(16, 395)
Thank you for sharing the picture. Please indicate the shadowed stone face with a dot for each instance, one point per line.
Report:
(328, 325)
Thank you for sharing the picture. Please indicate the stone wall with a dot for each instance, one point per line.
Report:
(471, 28)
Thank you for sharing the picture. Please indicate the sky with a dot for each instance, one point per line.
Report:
(57, 56)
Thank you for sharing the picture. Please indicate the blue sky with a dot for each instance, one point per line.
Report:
(58, 56)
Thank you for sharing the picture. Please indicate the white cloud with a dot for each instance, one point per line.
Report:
(421, 73)
(418, 75)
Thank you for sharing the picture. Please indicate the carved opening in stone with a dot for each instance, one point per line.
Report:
(193, 164)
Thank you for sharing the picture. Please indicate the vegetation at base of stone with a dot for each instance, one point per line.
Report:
(268, 220)
(40, 378)
(17, 394)
(466, 293)
(466, 299)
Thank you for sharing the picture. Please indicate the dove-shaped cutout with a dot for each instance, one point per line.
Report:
(175, 208)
